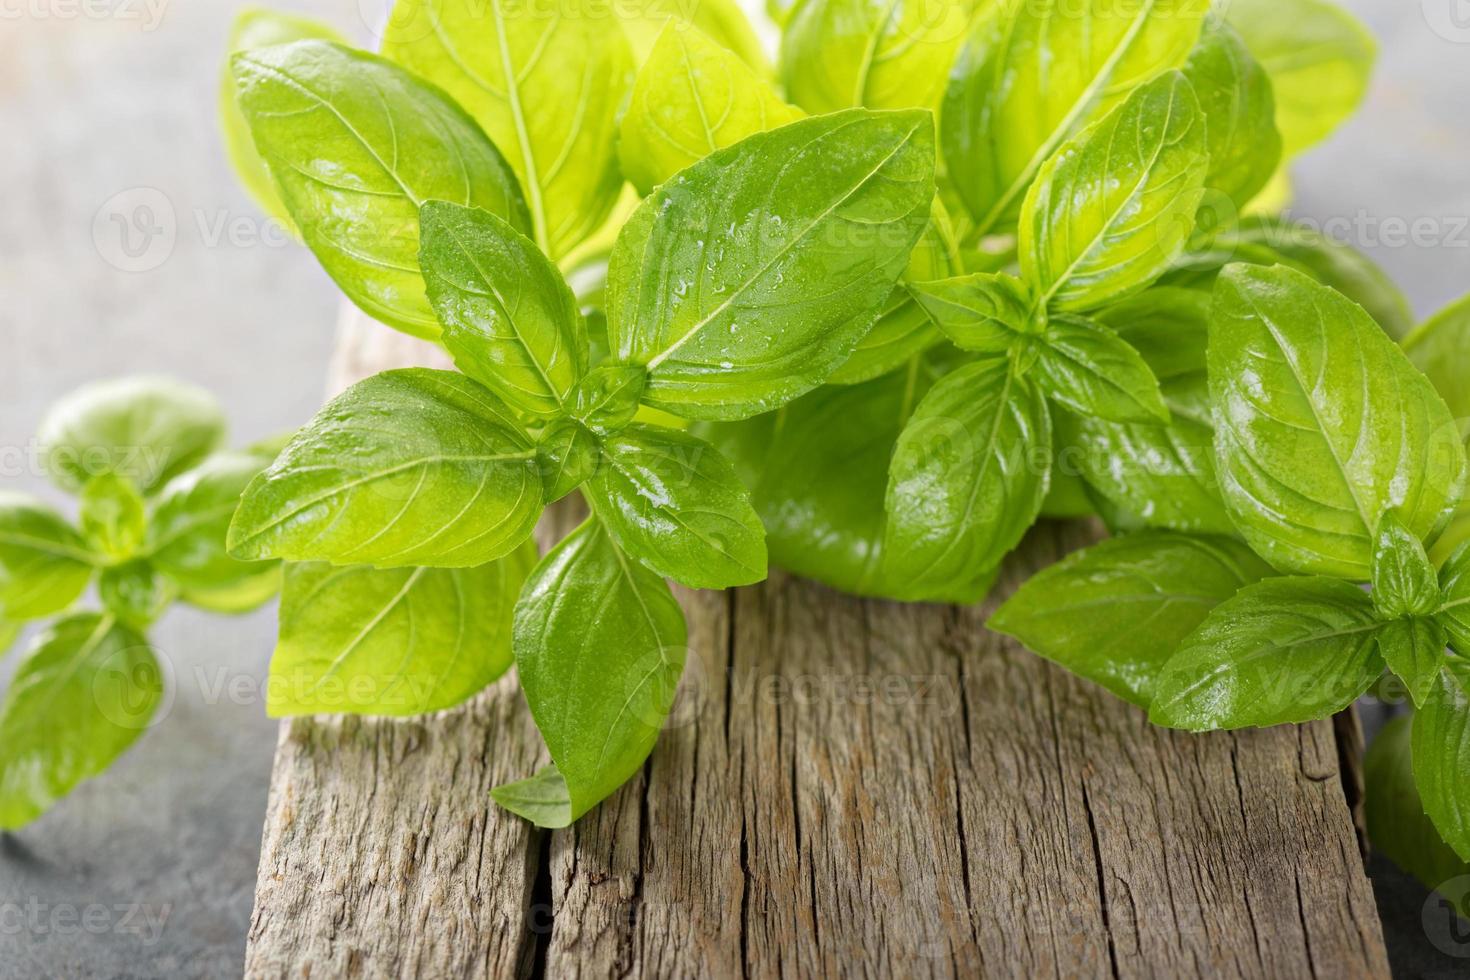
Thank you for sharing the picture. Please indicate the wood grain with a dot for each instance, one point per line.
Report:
(846, 787)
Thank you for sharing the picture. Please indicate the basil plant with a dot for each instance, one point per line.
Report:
(867, 313)
(156, 496)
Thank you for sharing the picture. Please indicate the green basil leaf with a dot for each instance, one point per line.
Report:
(1414, 649)
(1114, 613)
(1319, 58)
(818, 471)
(1441, 750)
(238, 597)
(543, 799)
(9, 633)
(1404, 582)
(1275, 241)
(84, 692)
(545, 83)
(722, 21)
(600, 678)
(509, 319)
(113, 516)
(1323, 424)
(968, 475)
(256, 28)
(1235, 93)
(983, 312)
(186, 538)
(356, 145)
(841, 54)
(1116, 204)
(1280, 651)
(1091, 370)
(412, 467)
(148, 429)
(675, 504)
(608, 398)
(567, 455)
(395, 642)
(1034, 73)
(1397, 825)
(691, 98)
(1454, 610)
(135, 593)
(44, 564)
(747, 279)
(1440, 348)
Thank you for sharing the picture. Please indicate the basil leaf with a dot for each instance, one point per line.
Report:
(608, 398)
(746, 280)
(968, 475)
(723, 21)
(840, 54)
(1275, 241)
(148, 429)
(1397, 825)
(238, 597)
(1034, 73)
(1089, 369)
(818, 471)
(545, 83)
(1280, 651)
(691, 98)
(396, 642)
(44, 564)
(567, 455)
(1414, 649)
(1114, 613)
(412, 467)
(1441, 750)
(674, 503)
(1319, 58)
(135, 593)
(1440, 348)
(84, 692)
(1116, 204)
(600, 678)
(255, 28)
(1454, 610)
(113, 517)
(356, 144)
(1323, 424)
(509, 319)
(1404, 582)
(1234, 92)
(9, 633)
(983, 312)
(186, 539)
(543, 799)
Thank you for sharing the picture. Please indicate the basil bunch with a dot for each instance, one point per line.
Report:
(156, 498)
(773, 315)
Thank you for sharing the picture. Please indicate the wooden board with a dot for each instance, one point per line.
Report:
(846, 787)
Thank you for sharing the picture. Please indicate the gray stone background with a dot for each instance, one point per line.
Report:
(106, 97)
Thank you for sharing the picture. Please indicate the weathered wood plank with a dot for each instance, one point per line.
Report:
(846, 787)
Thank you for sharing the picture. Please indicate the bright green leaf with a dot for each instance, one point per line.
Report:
(395, 642)
(545, 82)
(672, 502)
(356, 144)
(186, 538)
(148, 429)
(1404, 582)
(1035, 72)
(1323, 424)
(44, 564)
(543, 799)
(412, 467)
(84, 692)
(600, 677)
(238, 597)
(567, 455)
(1414, 649)
(1441, 750)
(982, 312)
(608, 398)
(1090, 369)
(135, 593)
(1116, 204)
(113, 516)
(1235, 93)
(509, 319)
(1117, 611)
(748, 278)
(968, 475)
(1454, 611)
(1281, 651)
(1440, 348)
(720, 20)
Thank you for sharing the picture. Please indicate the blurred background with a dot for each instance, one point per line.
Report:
(126, 246)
